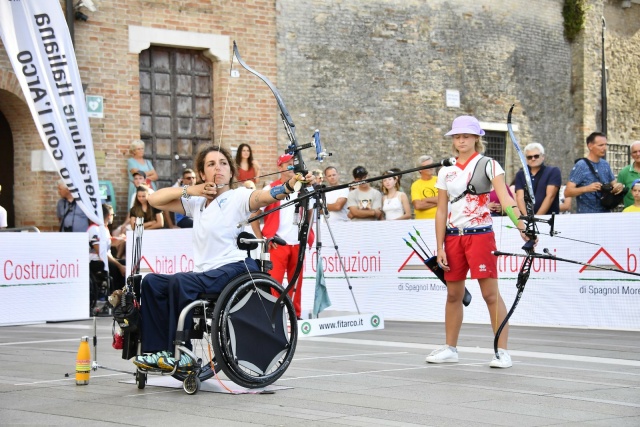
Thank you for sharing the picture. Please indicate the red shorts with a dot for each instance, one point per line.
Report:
(471, 252)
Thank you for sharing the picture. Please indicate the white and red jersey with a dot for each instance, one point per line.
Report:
(471, 211)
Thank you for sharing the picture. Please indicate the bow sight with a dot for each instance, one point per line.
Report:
(315, 143)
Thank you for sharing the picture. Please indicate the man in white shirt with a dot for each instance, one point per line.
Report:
(336, 200)
(364, 203)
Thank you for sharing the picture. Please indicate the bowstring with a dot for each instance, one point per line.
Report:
(226, 100)
(265, 249)
(502, 212)
(244, 261)
(224, 114)
(495, 329)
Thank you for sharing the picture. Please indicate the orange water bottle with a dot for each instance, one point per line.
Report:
(83, 362)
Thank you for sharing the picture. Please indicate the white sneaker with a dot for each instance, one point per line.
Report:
(503, 362)
(445, 354)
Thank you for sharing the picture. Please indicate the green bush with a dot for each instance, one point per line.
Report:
(573, 13)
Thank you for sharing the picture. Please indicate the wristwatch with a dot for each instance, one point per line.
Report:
(185, 195)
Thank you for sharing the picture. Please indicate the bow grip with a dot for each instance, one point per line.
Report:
(529, 245)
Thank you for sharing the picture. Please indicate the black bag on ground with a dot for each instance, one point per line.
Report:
(130, 345)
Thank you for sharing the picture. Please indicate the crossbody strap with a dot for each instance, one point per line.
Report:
(593, 170)
(476, 184)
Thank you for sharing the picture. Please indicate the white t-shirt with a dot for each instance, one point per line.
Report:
(94, 238)
(215, 228)
(470, 211)
(371, 199)
(3, 217)
(332, 197)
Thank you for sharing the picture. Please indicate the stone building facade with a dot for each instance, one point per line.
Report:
(371, 76)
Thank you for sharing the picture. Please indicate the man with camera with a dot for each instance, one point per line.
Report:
(591, 178)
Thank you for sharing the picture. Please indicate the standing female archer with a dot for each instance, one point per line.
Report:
(464, 234)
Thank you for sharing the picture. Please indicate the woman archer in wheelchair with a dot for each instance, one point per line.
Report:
(217, 207)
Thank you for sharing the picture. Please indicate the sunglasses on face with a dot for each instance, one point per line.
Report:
(535, 156)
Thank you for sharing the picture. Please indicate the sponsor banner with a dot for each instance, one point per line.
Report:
(163, 251)
(340, 325)
(36, 38)
(387, 278)
(43, 277)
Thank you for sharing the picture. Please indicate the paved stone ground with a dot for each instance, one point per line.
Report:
(560, 377)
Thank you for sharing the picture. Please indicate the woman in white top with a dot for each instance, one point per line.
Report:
(216, 208)
(395, 203)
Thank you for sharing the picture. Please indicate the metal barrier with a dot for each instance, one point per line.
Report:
(618, 156)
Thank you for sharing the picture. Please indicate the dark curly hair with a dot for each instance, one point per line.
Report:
(202, 154)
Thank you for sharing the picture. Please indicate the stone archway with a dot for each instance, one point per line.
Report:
(8, 83)
(29, 195)
(6, 170)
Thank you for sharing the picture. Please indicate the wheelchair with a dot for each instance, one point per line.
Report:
(239, 332)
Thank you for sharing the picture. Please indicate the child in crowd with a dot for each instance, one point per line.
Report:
(635, 192)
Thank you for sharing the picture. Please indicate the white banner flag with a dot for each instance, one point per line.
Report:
(37, 40)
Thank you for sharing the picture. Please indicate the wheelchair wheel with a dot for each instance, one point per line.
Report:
(141, 379)
(191, 384)
(250, 350)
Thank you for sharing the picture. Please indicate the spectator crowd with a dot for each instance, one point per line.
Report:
(591, 184)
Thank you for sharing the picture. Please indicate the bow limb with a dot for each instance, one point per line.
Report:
(523, 276)
(298, 167)
(294, 148)
(529, 196)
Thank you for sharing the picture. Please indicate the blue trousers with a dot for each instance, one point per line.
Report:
(165, 295)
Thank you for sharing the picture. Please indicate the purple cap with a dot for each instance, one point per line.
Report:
(465, 124)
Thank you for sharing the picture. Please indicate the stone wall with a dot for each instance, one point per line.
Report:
(622, 50)
(622, 57)
(372, 75)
